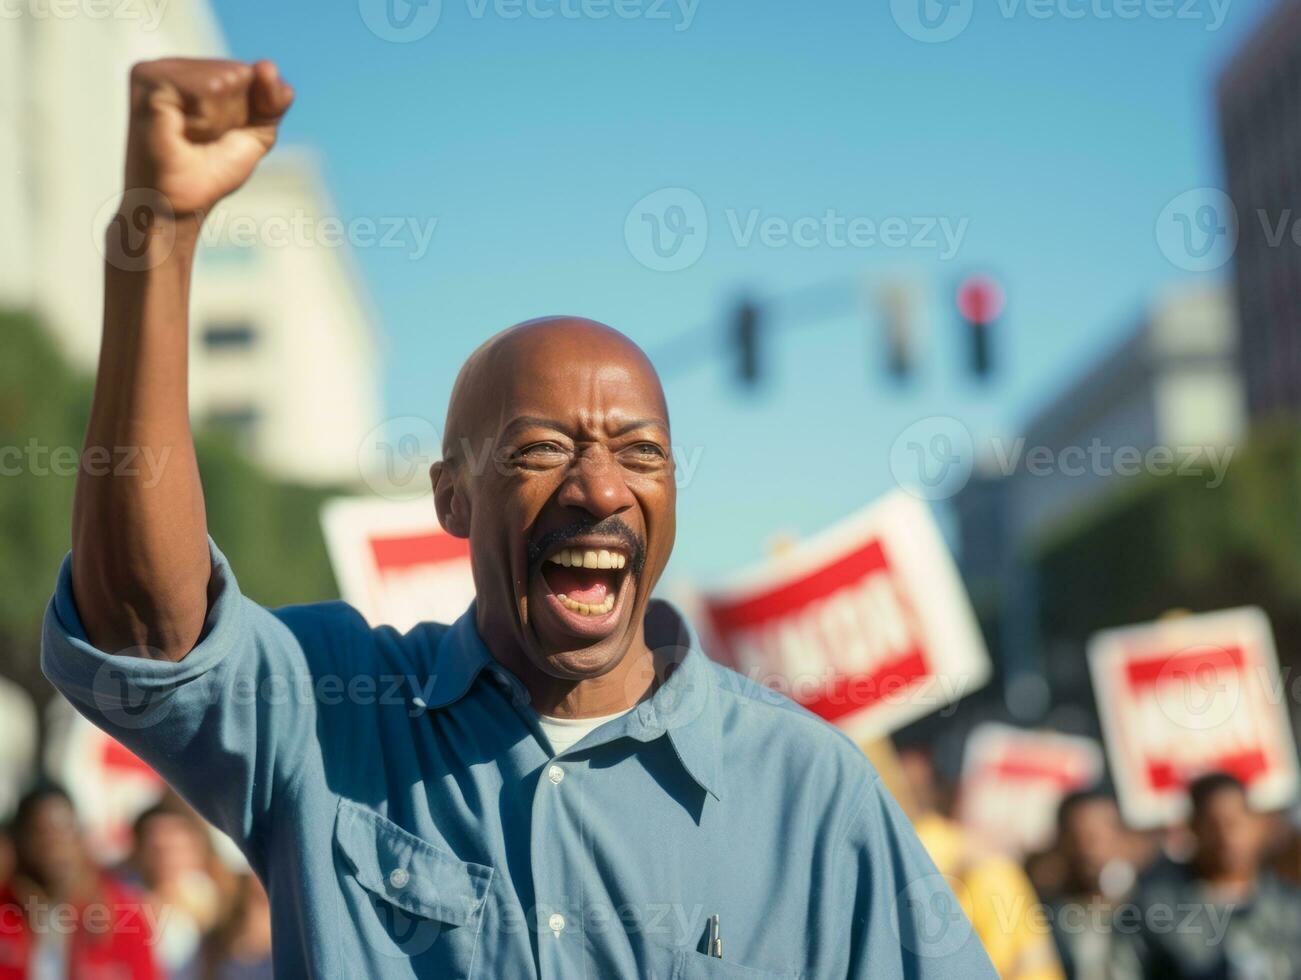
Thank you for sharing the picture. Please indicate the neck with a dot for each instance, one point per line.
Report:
(70, 887)
(1233, 882)
(618, 690)
(621, 687)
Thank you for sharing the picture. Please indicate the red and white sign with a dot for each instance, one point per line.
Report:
(1014, 779)
(867, 624)
(110, 786)
(394, 563)
(1183, 697)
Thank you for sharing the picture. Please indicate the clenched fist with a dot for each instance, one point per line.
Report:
(198, 127)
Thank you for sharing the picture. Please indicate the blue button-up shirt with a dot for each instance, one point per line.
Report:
(400, 801)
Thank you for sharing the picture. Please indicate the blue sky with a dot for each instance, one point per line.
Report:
(1053, 141)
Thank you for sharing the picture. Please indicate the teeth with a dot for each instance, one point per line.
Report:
(588, 608)
(579, 558)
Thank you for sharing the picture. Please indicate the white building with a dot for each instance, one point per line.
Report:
(283, 342)
(1172, 385)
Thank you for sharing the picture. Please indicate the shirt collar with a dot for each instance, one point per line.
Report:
(684, 706)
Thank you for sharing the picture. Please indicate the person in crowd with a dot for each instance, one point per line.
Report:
(240, 947)
(62, 917)
(1095, 854)
(169, 862)
(1221, 915)
(993, 890)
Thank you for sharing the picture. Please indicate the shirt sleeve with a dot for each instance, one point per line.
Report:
(233, 725)
(907, 921)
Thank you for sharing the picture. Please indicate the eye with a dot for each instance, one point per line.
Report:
(647, 451)
(539, 450)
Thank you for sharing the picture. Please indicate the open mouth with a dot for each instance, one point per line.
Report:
(585, 586)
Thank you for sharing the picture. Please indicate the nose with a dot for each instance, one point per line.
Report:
(596, 484)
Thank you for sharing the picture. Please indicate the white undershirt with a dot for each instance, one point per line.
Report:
(564, 732)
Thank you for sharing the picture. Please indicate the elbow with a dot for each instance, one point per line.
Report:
(125, 616)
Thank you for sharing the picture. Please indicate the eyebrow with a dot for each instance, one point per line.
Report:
(525, 421)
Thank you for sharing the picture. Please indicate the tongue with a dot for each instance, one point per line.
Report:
(589, 585)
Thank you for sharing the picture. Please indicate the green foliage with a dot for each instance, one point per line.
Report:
(268, 529)
(1172, 542)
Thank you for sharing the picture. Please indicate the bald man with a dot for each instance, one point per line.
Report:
(559, 784)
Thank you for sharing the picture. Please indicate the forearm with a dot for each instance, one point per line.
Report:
(140, 563)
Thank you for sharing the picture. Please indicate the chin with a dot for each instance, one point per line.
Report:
(582, 664)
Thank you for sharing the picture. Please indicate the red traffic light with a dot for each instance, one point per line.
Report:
(980, 300)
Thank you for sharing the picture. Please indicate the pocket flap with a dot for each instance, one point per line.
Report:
(406, 871)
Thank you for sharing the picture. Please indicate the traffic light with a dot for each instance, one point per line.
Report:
(746, 341)
(980, 303)
(898, 305)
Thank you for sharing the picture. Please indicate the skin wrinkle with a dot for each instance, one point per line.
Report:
(557, 428)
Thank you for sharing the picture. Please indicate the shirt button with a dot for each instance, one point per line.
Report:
(556, 774)
(399, 877)
(557, 923)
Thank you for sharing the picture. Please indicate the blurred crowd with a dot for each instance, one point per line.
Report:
(172, 911)
(1218, 898)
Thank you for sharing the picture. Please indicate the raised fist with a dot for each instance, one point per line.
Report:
(199, 127)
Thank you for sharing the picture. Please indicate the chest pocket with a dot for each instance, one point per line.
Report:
(676, 963)
(412, 900)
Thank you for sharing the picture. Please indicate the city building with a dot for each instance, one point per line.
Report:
(1260, 124)
(1170, 386)
(283, 349)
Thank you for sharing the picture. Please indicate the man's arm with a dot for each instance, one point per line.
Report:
(140, 561)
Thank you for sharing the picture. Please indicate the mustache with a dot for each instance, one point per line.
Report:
(613, 527)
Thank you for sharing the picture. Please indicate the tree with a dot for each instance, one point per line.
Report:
(268, 529)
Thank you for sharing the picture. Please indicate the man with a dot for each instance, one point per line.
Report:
(560, 784)
(1098, 871)
(1220, 916)
(60, 915)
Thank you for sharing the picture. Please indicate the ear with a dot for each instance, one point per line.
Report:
(449, 501)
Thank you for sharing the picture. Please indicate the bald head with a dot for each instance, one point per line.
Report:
(557, 441)
(526, 354)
